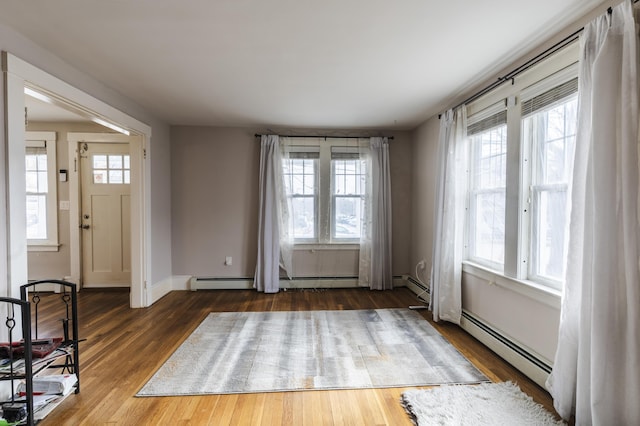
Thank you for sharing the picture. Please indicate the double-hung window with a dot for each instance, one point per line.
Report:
(487, 132)
(348, 173)
(325, 181)
(521, 144)
(41, 191)
(549, 133)
(300, 170)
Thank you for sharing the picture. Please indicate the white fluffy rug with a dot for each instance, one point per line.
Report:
(484, 404)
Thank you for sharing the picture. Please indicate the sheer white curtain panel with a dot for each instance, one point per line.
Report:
(274, 241)
(375, 243)
(597, 364)
(448, 239)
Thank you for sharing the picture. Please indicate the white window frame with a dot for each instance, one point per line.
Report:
(324, 186)
(529, 165)
(47, 140)
(541, 77)
(474, 191)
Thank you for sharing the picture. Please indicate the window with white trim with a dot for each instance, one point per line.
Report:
(41, 191)
(521, 141)
(325, 181)
(487, 134)
(549, 131)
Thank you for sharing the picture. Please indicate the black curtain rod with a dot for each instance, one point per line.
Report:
(531, 62)
(257, 135)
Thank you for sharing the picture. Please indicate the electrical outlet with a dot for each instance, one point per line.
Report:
(422, 264)
(228, 260)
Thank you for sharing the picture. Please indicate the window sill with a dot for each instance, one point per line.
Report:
(326, 246)
(43, 247)
(543, 294)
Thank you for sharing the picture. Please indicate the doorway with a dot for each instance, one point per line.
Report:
(20, 74)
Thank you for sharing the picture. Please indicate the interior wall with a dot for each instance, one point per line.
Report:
(57, 264)
(215, 175)
(157, 150)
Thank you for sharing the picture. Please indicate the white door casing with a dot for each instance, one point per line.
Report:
(18, 74)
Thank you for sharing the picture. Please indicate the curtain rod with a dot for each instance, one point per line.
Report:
(528, 64)
(257, 135)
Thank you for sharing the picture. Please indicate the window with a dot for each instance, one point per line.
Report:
(41, 191)
(111, 169)
(488, 141)
(521, 143)
(348, 173)
(325, 181)
(300, 175)
(549, 129)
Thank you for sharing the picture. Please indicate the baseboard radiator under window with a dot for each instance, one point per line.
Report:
(529, 363)
(212, 283)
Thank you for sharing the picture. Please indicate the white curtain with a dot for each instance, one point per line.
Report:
(448, 237)
(274, 233)
(375, 243)
(597, 363)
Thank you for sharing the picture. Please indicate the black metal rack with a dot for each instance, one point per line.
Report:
(13, 375)
(65, 360)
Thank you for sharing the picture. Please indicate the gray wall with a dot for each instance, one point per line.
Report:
(160, 253)
(215, 206)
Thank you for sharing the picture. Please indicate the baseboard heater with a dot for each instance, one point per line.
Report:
(529, 363)
(525, 360)
(216, 283)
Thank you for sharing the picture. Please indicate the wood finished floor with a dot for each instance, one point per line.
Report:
(124, 347)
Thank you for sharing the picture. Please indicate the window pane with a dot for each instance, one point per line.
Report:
(100, 176)
(115, 176)
(300, 184)
(126, 162)
(487, 198)
(303, 217)
(549, 234)
(552, 134)
(99, 161)
(488, 230)
(348, 213)
(37, 217)
(127, 176)
(115, 161)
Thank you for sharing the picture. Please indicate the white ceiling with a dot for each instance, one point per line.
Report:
(369, 64)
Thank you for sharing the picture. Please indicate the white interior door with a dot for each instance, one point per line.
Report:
(105, 170)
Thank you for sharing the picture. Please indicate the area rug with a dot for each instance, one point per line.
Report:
(244, 352)
(485, 404)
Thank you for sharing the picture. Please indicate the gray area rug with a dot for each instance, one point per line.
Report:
(487, 404)
(246, 352)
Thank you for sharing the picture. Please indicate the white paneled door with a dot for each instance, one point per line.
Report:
(105, 217)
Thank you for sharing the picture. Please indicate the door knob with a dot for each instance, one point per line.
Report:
(85, 226)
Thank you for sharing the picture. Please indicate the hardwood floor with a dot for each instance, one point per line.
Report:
(124, 347)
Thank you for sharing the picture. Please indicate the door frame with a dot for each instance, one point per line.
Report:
(75, 190)
(20, 74)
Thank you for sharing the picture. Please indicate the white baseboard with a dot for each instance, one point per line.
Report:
(169, 284)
